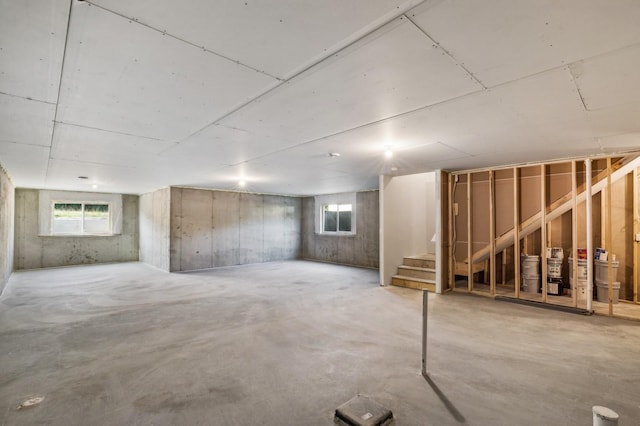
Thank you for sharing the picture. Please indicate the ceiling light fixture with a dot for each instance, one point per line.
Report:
(242, 184)
(94, 186)
(388, 153)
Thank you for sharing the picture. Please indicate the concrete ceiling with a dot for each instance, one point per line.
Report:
(145, 94)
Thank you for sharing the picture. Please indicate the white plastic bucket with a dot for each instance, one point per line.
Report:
(530, 284)
(603, 291)
(603, 416)
(582, 269)
(530, 266)
(554, 268)
(602, 269)
(581, 288)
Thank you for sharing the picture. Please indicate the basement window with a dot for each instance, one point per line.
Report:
(336, 218)
(335, 214)
(73, 218)
(71, 213)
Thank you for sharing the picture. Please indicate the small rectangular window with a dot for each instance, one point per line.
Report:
(81, 218)
(336, 218)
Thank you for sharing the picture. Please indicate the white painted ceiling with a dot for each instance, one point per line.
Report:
(145, 94)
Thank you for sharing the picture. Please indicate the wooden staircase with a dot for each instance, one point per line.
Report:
(418, 272)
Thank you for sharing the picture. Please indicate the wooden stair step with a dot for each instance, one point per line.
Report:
(417, 272)
(420, 260)
(415, 283)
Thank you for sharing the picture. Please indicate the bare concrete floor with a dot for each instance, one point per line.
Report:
(286, 343)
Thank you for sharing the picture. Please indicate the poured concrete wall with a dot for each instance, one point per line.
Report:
(218, 228)
(409, 219)
(361, 249)
(35, 251)
(7, 199)
(155, 228)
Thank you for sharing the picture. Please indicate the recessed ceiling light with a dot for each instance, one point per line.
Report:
(388, 153)
(83, 177)
(334, 154)
(94, 186)
(242, 184)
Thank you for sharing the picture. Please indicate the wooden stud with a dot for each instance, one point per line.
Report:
(636, 231)
(543, 230)
(469, 235)
(503, 258)
(452, 265)
(516, 229)
(609, 238)
(574, 233)
(492, 234)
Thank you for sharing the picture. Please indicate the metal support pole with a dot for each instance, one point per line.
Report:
(425, 311)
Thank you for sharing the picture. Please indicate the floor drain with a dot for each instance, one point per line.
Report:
(363, 411)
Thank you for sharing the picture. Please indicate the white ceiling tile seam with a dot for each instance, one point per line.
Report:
(562, 66)
(437, 45)
(55, 114)
(281, 83)
(192, 44)
(107, 131)
(27, 98)
(572, 73)
(406, 113)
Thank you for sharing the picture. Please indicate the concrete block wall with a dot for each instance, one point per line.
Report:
(361, 249)
(7, 207)
(155, 228)
(34, 251)
(212, 228)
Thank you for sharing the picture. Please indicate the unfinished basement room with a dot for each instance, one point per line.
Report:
(364, 212)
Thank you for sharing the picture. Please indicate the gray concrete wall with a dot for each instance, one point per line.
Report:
(155, 228)
(34, 251)
(7, 207)
(217, 228)
(361, 249)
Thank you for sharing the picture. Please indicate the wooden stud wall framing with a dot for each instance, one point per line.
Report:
(516, 226)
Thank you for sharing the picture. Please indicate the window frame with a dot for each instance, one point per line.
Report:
(82, 222)
(323, 210)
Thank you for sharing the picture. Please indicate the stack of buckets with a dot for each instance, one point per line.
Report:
(581, 286)
(555, 285)
(602, 276)
(530, 265)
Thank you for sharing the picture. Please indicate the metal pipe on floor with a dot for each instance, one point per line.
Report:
(589, 225)
(425, 312)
